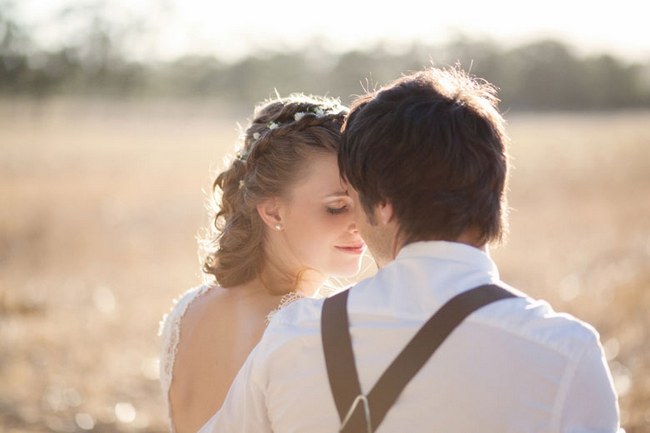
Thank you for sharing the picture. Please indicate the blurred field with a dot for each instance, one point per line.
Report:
(100, 204)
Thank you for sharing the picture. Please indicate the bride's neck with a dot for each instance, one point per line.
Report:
(278, 279)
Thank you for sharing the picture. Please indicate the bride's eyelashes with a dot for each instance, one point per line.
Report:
(337, 210)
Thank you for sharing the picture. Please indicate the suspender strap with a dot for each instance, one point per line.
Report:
(339, 358)
(341, 368)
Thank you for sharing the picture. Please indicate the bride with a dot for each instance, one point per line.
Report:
(282, 226)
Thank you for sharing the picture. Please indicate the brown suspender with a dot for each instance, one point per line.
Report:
(364, 413)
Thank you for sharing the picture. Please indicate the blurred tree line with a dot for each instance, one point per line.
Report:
(542, 75)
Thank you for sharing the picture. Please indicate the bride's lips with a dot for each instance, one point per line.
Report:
(352, 249)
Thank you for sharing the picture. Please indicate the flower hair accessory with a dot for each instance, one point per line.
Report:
(315, 111)
(242, 155)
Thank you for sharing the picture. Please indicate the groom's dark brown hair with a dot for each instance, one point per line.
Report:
(433, 144)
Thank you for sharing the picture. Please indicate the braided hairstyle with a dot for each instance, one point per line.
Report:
(282, 136)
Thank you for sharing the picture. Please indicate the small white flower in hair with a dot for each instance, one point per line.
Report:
(272, 125)
(256, 136)
(319, 112)
(241, 184)
(299, 116)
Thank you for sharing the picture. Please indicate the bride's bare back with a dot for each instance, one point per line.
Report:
(216, 333)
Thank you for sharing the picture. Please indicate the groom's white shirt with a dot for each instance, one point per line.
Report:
(513, 366)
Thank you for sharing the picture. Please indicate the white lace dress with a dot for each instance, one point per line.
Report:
(170, 329)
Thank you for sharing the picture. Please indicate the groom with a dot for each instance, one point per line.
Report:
(426, 162)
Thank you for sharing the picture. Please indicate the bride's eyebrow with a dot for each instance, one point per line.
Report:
(337, 194)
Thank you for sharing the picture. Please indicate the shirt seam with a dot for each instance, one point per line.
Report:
(563, 391)
(515, 332)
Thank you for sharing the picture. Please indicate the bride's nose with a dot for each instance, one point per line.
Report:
(352, 228)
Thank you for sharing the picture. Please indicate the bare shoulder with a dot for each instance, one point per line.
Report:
(224, 319)
(209, 307)
(217, 329)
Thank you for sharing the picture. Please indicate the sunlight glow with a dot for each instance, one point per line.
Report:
(125, 412)
(175, 27)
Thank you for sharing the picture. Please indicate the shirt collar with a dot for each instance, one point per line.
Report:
(453, 251)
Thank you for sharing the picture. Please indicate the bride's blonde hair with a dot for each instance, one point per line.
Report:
(283, 134)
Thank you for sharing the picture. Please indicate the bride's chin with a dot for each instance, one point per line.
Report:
(349, 271)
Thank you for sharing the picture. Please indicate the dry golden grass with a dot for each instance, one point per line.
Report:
(101, 202)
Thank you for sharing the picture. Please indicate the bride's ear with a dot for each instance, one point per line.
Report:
(270, 212)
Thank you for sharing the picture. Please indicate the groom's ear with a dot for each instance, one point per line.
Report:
(270, 212)
(385, 211)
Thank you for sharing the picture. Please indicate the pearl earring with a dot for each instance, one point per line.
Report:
(278, 227)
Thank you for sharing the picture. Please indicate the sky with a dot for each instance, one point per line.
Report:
(232, 29)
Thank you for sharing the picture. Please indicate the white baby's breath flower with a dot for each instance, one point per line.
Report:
(299, 116)
(320, 112)
(241, 184)
(272, 125)
(256, 136)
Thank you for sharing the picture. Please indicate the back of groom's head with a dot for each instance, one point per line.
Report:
(433, 144)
